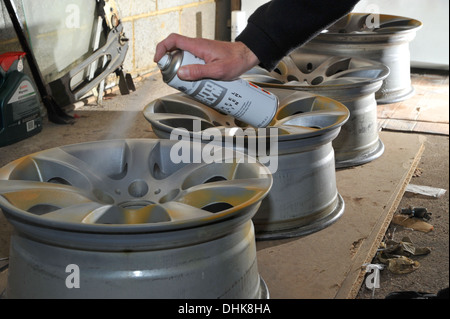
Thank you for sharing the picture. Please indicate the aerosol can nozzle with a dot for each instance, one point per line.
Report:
(164, 62)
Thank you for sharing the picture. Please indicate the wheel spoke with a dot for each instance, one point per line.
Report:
(179, 211)
(289, 71)
(40, 198)
(290, 127)
(225, 172)
(232, 192)
(361, 73)
(332, 65)
(313, 121)
(58, 166)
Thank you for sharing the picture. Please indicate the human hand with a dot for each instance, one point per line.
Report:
(223, 60)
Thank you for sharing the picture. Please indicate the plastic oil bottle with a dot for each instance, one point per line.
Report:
(20, 113)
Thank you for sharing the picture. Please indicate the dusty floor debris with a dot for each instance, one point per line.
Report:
(412, 222)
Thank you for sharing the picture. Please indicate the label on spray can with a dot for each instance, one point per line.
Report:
(239, 98)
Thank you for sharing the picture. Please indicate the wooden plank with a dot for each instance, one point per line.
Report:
(429, 106)
(328, 263)
(367, 250)
(432, 128)
(414, 126)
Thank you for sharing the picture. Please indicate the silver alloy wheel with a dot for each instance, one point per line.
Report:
(351, 81)
(378, 37)
(135, 223)
(304, 196)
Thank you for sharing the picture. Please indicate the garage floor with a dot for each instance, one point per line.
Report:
(329, 263)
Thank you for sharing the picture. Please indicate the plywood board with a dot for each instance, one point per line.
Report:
(427, 111)
(414, 126)
(328, 264)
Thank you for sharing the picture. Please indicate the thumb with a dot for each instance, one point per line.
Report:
(193, 72)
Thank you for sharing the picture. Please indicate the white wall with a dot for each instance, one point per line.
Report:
(250, 5)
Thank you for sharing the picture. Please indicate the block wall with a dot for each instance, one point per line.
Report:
(146, 22)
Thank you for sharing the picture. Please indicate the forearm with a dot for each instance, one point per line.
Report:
(279, 26)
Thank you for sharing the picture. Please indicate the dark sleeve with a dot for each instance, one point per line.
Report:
(279, 26)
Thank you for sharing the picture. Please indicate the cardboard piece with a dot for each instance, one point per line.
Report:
(413, 223)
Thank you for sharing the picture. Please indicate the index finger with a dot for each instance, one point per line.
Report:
(177, 41)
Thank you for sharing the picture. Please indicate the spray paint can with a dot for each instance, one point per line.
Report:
(241, 99)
